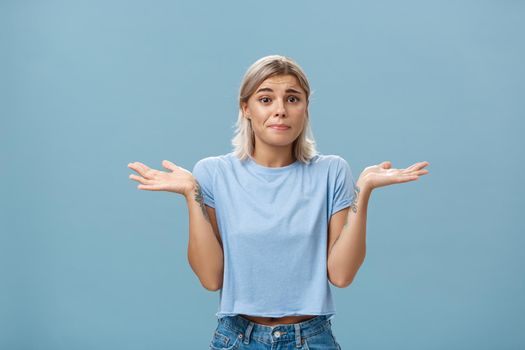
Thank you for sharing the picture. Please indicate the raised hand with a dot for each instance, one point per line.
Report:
(177, 179)
(383, 175)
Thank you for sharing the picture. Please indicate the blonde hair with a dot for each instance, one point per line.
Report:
(304, 147)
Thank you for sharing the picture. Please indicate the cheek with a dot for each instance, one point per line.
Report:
(260, 119)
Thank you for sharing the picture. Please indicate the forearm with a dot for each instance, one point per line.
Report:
(205, 253)
(348, 252)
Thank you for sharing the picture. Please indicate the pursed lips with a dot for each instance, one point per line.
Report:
(279, 126)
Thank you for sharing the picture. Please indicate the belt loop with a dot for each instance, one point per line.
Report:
(247, 333)
(298, 342)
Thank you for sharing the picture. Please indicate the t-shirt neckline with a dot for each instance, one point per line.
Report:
(251, 163)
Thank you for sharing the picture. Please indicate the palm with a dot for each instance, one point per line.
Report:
(177, 179)
(383, 175)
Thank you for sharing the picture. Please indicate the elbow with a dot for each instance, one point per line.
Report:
(212, 286)
(342, 280)
(345, 281)
(341, 283)
(210, 280)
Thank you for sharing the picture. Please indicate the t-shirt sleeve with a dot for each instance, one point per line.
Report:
(343, 193)
(203, 172)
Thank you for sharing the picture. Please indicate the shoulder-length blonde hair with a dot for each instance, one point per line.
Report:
(304, 147)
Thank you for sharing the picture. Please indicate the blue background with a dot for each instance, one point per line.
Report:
(88, 261)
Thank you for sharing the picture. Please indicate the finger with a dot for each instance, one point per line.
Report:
(150, 187)
(142, 169)
(417, 166)
(412, 167)
(415, 172)
(406, 177)
(421, 165)
(140, 179)
(169, 165)
(386, 164)
(137, 166)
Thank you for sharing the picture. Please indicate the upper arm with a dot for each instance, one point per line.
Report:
(335, 226)
(213, 221)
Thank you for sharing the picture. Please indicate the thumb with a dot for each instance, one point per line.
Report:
(169, 165)
(386, 164)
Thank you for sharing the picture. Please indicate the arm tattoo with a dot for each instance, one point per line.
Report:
(353, 205)
(199, 198)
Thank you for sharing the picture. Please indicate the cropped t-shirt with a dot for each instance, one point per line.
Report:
(273, 224)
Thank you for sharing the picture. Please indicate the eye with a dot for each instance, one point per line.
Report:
(264, 98)
(296, 98)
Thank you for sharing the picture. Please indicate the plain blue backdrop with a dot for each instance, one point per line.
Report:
(88, 261)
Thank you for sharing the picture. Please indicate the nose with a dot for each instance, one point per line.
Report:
(279, 109)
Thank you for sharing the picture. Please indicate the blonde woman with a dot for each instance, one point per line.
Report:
(273, 222)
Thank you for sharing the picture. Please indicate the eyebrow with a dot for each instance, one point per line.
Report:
(270, 90)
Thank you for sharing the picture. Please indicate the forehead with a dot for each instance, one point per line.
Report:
(281, 80)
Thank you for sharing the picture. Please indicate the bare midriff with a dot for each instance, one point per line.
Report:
(272, 321)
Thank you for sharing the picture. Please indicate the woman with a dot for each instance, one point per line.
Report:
(273, 221)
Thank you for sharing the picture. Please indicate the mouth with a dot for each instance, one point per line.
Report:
(279, 127)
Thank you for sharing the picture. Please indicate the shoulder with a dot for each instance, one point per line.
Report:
(214, 160)
(330, 161)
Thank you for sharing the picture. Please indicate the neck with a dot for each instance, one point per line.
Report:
(272, 156)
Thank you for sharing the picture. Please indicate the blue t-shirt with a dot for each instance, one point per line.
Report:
(273, 224)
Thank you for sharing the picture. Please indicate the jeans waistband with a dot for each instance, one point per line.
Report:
(280, 332)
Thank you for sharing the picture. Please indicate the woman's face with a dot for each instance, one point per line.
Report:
(278, 100)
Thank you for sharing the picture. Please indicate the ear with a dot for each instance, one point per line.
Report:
(245, 109)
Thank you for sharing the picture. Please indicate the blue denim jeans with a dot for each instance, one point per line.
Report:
(237, 332)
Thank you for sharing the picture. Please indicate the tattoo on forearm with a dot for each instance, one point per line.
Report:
(353, 206)
(199, 198)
